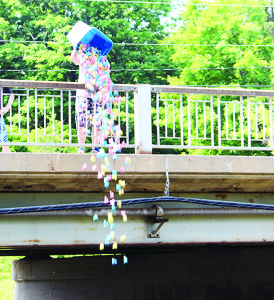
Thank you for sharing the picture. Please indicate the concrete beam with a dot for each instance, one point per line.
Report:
(30, 172)
(80, 234)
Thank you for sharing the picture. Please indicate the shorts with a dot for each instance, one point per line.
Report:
(82, 105)
(5, 133)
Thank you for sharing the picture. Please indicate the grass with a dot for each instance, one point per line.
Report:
(6, 283)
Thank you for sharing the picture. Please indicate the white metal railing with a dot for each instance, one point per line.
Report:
(43, 115)
(207, 118)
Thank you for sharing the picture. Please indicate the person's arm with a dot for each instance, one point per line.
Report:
(5, 109)
(8, 106)
(75, 57)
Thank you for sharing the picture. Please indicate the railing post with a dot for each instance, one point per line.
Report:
(142, 119)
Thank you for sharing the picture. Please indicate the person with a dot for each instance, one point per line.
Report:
(4, 110)
(83, 103)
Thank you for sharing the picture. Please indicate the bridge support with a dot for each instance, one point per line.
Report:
(197, 273)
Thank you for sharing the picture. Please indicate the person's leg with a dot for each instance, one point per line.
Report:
(96, 132)
(82, 135)
(80, 118)
(95, 135)
(5, 149)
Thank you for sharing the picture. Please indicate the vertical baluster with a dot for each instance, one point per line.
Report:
(197, 120)
(248, 121)
(271, 121)
(10, 113)
(119, 114)
(69, 116)
(182, 119)
(28, 119)
(173, 117)
(158, 119)
(166, 131)
(264, 121)
(62, 115)
(242, 121)
(226, 119)
(127, 119)
(212, 120)
(189, 119)
(2, 115)
(19, 114)
(94, 133)
(234, 121)
(219, 122)
(53, 118)
(205, 127)
(45, 115)
(36, 117)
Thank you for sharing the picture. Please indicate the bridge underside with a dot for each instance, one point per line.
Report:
(218, 273)
(175, 250)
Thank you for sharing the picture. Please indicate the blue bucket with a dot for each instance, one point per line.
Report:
(82, 33)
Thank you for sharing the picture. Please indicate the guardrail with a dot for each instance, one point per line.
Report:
(171, 117)
(43, 114)
(213, 118)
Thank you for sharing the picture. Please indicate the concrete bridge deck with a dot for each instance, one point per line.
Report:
(29, 172)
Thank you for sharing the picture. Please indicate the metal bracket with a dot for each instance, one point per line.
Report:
(155, 233)
(166, 192)
(159, 213)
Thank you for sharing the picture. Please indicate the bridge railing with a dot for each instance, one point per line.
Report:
(43, 115)
(213, 118)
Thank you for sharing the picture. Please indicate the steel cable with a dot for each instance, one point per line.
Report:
(166, 199)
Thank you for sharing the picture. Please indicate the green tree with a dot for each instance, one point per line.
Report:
(34, 38)
(228, 26)
(39, 22)
(224, 25)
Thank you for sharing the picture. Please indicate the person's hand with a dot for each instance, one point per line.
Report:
(75, 57)
(4, 110)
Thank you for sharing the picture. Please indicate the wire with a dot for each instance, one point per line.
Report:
(27, 70)
(144, 44)
(192, 45)
(42, 42)
(137, 2)
(221, 68)
(173, 4)
(133, 70)
(225, 85)
(166, 199)
(179, 4)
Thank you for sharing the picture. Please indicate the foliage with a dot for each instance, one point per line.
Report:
(227, 64)
(44, 25)
(39, 30)
(6, 283)
(34, 38)
(223, 25)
